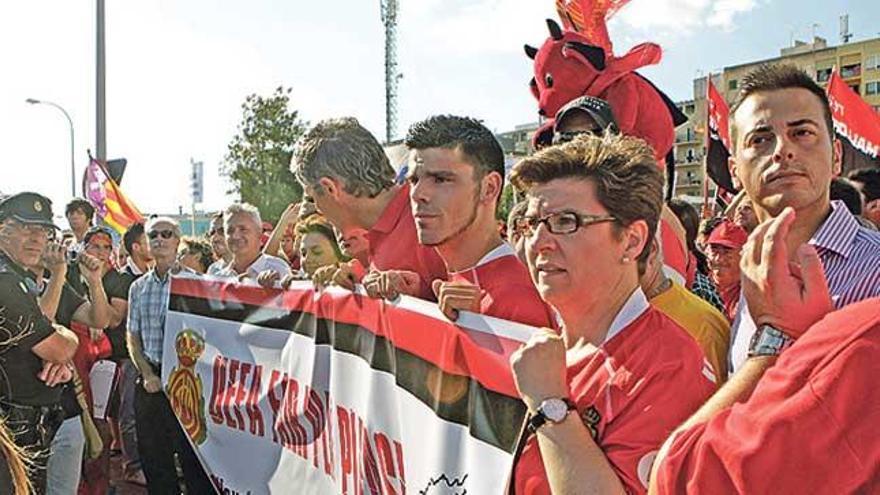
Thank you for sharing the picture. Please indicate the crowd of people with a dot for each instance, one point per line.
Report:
(750, 372)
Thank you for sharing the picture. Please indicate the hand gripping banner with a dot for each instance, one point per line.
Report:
(333, 392)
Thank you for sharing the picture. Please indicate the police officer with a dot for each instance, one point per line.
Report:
(34, 353)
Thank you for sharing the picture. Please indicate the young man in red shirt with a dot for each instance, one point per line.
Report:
(801, 414)
(456, 177)
(344, 168)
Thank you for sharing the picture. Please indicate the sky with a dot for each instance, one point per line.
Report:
(178, 71)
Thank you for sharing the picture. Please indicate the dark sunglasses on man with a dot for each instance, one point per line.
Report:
(164, 234)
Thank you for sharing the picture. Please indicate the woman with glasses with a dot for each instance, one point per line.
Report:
(604, 393)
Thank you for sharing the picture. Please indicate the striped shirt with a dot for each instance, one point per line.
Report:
(147, 307)
(850, 255)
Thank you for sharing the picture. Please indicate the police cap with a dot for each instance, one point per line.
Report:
(27, 207)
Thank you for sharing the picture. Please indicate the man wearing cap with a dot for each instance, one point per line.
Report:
(160, 436)
(723, 250)
(33, 352)
(584, 115)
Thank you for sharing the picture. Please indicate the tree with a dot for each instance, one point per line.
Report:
(258, 158)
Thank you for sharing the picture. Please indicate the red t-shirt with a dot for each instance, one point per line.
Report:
(810, 426)
(507, 290)
(631, 392)
(394, 245)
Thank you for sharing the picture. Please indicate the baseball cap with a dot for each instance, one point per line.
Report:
(728, 234)
(28, 207)
(599, 110)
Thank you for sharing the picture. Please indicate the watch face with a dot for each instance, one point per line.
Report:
(554, 409)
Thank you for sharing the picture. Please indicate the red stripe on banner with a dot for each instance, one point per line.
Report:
(454, 349)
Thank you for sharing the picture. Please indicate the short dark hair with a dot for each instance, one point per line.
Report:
(628, 183)
(197, 246)
(79, 204)
(320, 225)
(468, 135)
(773, 77)
(689, 217)
(845, 191)
(869, 178)
(132, 236)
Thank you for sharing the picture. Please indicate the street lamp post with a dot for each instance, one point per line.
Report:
(33, 101)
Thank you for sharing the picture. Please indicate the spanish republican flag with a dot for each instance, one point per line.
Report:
(101, 190)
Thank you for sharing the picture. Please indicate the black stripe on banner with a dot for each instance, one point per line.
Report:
(491, 417)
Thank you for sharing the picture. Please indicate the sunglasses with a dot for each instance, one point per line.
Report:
(164, 234)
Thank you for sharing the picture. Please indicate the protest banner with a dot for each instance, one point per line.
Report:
(333, 392)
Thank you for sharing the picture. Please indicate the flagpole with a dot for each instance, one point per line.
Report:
(705, 210)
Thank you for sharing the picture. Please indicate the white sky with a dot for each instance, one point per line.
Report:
(178, 71)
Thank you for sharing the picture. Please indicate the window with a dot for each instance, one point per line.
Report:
(855, 87)
(872, 88)
(690, 155)
(872, 62)
(823, 75)
(689, 109)
(851, 70)
(732, 85)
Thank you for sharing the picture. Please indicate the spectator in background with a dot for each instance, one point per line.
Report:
(744, 215)
(318, 247)
(163, 444)
(848, 191)
(844, 190)
(723, 249)
(80, 215)
(593, 427)
(690, 220)
(217, 237)
(195, 253)
(516, 229)
(707, 225)
(243, 227)
(868, 181)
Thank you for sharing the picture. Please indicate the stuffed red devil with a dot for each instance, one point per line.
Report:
(568, 65)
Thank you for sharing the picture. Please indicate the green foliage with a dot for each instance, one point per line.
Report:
(258, 158)
(506, 202)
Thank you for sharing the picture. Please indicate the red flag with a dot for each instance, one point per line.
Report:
(112, 206)
(853, 118)
(717, 138)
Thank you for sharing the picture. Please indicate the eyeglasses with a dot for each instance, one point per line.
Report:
(216, 231)
(164, 234)
(566, 222)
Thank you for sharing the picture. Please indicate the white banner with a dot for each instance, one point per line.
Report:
(336, 393)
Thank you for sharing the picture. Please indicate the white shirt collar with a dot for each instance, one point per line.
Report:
(132, 267)
(504, 249)
(632, 309)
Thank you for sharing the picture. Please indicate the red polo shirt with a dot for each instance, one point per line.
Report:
(394, 245)
(810, 426)
(631, 392)
(506, 289)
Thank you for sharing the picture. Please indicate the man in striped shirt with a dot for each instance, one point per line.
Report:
(785, 155)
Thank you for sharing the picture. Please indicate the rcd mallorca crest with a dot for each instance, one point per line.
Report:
(185, 386)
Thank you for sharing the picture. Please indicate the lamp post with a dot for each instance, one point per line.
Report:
(33, 101)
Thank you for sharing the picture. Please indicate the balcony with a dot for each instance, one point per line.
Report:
(851, 70)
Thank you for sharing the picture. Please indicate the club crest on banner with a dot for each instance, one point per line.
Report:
(185, 385)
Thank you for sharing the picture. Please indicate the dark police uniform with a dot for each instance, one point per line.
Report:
(31, 408)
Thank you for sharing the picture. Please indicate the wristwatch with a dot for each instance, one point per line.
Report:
(769, 341)
(553, 410)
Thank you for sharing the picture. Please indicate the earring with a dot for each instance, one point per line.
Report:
(625, 259)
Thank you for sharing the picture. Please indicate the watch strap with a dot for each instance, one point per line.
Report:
(538, 419)
(769, 341)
